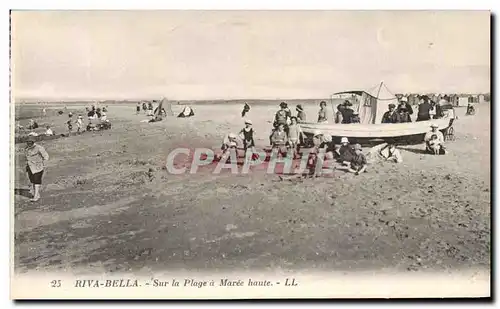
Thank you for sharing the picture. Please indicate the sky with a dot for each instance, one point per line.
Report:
(246, 54)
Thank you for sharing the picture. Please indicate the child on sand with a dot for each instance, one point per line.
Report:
(79, 123)
(295, 136)
(229, 143)
(358, 162)
(279, 139)
(246, 135)
(435, 144)
(70, 126)
(49, 131)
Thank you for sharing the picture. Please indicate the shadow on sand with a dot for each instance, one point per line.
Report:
(22, 192)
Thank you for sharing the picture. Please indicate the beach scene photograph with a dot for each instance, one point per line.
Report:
(346, 142)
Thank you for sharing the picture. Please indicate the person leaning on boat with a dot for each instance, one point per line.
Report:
(322, 112)
(338, 114)
(391, 116)
(347, 112)
(301, 115)
(403, 104)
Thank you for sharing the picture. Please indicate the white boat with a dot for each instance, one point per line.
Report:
(371, 107)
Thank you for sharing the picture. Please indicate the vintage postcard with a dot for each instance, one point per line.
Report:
(250, 154)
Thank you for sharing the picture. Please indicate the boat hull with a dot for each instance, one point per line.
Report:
(406, 133)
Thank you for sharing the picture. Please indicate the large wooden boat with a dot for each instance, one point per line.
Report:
(371, 108)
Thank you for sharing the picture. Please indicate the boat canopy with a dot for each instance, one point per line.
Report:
(371, 104)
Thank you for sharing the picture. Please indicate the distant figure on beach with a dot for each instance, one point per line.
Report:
(32, 125)
(322, 114)
(246, 109)
(36, 156)
(79, 124)
(301, 115)
(144, 107)
(247, 135)
(150, 109)
(44, 112)
(138, 108)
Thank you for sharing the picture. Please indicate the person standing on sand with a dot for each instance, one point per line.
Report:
(35, 160)
(295, 135)
(338, 114)
(301, 115)
(279, 139)
(281, 118)
(246, 109)
(79, 124)
(138, 108)
(246, 134)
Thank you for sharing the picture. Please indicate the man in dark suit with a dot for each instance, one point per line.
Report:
(391, 116)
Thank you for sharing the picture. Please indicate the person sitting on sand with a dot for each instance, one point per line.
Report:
(49, 131)
(301, 115)
(434, 144)
(246, 134)
(295, 136)
(279, 139)
(322, 114)
(345, 153)
(437, 143)
(228, 144)
(384, 152)
(32, 125)
(358, 162)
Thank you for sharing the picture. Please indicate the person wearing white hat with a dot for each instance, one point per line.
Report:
(79, 123)
(246, 134)
(404, 105)
(36, 156)
(358, 162)
(229, 143)
(434, 140)
(345, 152)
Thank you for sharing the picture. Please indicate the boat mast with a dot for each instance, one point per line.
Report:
(380, 88)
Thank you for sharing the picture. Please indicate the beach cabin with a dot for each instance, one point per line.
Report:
(463, 100)
(481, 98)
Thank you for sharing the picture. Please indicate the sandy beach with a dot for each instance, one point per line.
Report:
(101, 211)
